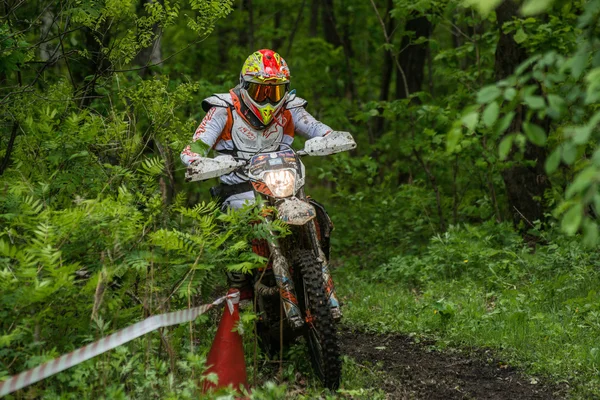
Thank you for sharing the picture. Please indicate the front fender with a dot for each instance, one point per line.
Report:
(294, 211)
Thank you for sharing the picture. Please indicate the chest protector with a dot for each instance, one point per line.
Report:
(242, 138)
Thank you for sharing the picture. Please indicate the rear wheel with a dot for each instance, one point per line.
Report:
(267, 327)
(321, 332)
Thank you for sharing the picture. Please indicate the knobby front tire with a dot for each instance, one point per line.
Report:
(321, 331)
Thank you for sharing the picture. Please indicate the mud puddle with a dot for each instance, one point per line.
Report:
(419, 371)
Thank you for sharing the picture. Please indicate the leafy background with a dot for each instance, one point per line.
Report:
(468, 213)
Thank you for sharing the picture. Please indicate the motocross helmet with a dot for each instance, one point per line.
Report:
(264, 84)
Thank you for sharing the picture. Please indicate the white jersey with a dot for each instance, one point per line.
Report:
(226, 130)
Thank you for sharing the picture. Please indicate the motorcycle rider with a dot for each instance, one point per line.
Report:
(260, 113)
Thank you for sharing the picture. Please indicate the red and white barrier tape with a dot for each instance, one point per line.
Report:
(103, 345)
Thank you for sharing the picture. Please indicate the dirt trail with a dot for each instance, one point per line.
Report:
(415, 371)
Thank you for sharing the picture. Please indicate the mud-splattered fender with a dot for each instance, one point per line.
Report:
(294, 211)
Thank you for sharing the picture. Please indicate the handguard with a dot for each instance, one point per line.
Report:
(334, 142)
(206, 168)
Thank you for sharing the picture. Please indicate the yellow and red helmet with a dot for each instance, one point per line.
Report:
(264, 82)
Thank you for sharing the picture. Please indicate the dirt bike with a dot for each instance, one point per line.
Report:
(297, 278)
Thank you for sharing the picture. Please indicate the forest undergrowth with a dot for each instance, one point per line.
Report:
(467, 217)
(535, 307)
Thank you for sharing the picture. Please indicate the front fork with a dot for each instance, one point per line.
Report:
(334, 303)
(281, 270)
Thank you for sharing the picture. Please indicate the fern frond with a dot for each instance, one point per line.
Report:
(138, 260)
(175, 240)
(152, 166)
(34, 206)
(179, 200)
(199, 211)
(10, 251)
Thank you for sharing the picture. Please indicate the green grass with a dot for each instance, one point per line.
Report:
(540, 311)
(297, 381)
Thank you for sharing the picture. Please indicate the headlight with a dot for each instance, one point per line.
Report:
(281, 183)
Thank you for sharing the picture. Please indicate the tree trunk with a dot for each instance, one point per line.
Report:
(386, 75)
(153, 53)
(295, 29)
(329, 24)
(525, 185)
(277, 39)
(9, 148)
(332, 36)
(96, 66)
(250, 25)
(314, 18)
(351, 92)
(413, 57)
(47, 50)
(223, 44)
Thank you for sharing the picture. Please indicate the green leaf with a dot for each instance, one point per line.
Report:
(582, 181)
(510, 93)
(557, 106)
(569, 153)
(525, 65)
(535, 102)
(596, 203)
(572, 219)
(578, 63)
(505, 146)
(83, 153)
(483, 6)
(590, 233)
(453, 138)
(152, 166)
(490, 114)
(200, 147)
(593, 86)
(596, 159)
(470, 120)
(488, 94)
(534, 7)
(594, 121)
(552, 161)
(535, 133)
(520, 36)
(581, 134)
(505, 123)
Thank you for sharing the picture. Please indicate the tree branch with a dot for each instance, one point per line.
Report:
(394, 56)
(436, 189)
(161, 61)
(9, 148)
(295, 28)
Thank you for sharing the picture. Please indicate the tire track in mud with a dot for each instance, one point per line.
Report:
(417, 371)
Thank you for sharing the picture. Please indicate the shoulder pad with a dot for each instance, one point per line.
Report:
(217, 100)
(296, 102)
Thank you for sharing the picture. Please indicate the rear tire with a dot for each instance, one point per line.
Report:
(321, 331)
(267, 330)
(268, 326)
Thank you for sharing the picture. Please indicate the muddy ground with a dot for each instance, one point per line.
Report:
(419, 371)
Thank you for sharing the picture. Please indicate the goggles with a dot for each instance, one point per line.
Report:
(261, 93)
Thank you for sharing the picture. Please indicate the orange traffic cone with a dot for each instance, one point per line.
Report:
(226, 356)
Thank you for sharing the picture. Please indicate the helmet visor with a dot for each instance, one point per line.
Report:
(262, 93)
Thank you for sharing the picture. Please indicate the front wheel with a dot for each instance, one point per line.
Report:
(321, 331)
